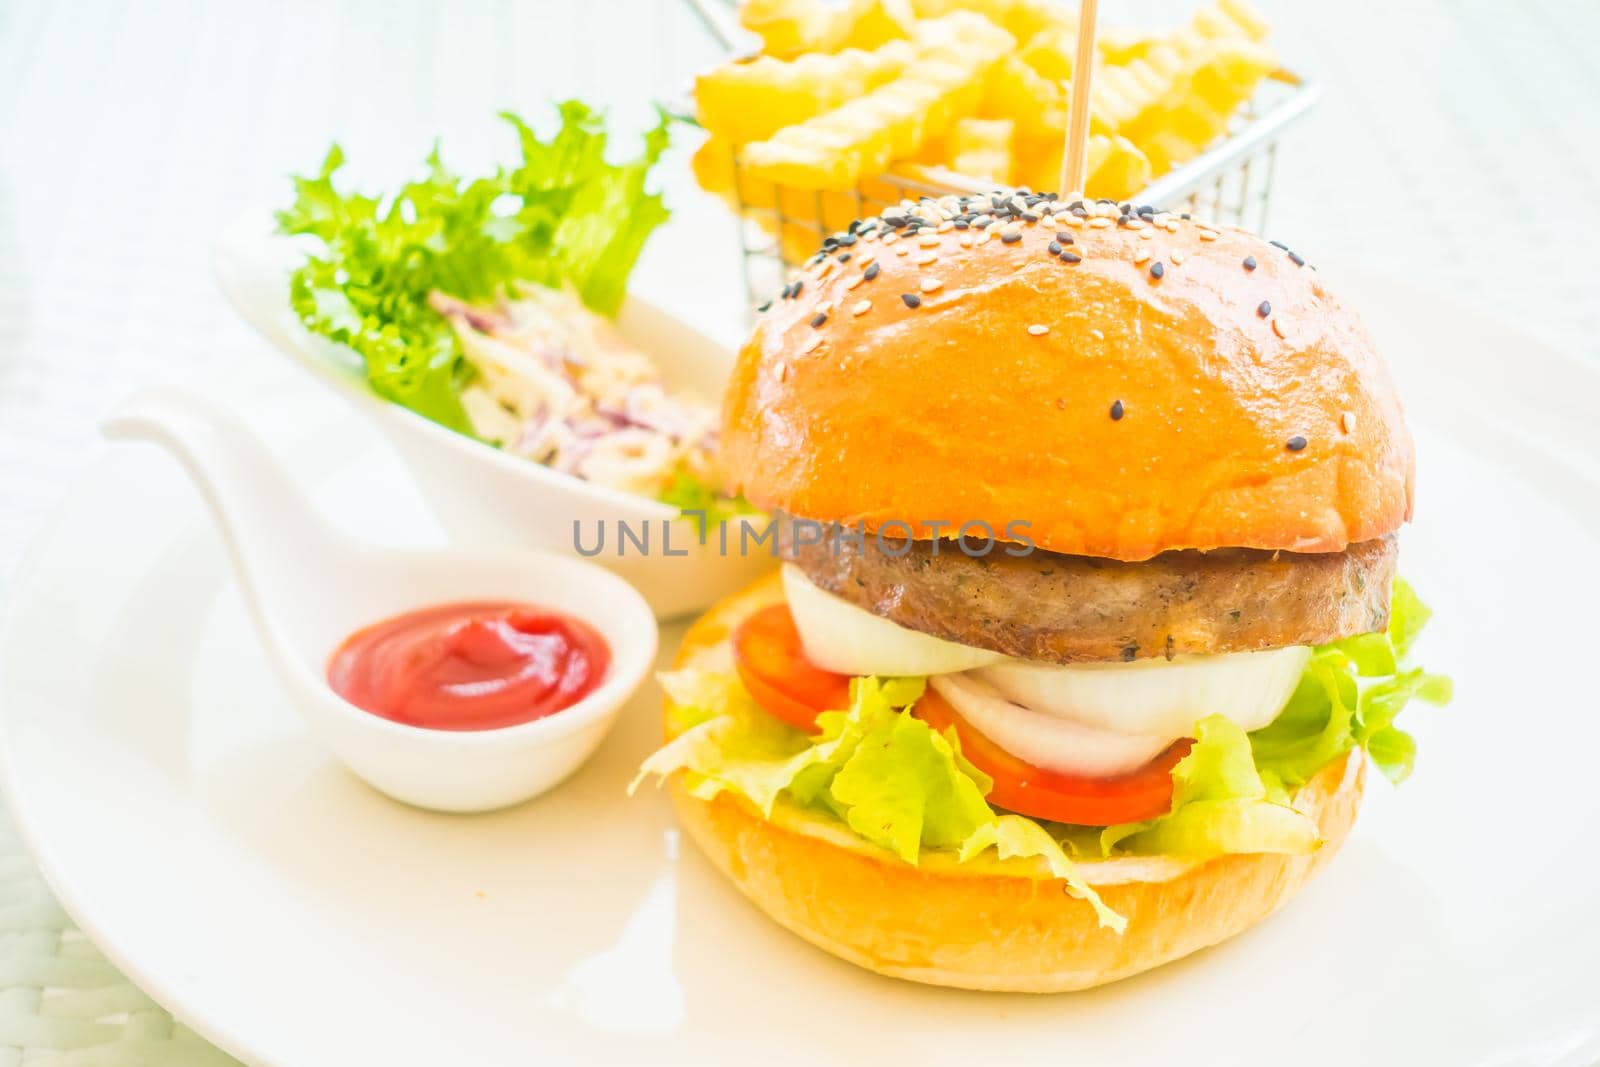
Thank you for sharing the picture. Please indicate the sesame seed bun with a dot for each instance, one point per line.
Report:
(1119, 414)
(989, 923)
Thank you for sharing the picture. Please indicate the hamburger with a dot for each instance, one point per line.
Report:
(1087, 628)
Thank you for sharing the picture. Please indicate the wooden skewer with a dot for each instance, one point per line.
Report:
(1074, 157)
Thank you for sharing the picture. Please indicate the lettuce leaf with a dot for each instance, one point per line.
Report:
(891, 778)
(1219, 805)
(705, 502)
(562, 216)
(1349, 697)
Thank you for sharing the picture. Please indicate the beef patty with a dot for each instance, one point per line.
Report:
(1072, 609)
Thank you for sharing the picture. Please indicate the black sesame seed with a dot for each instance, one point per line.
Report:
(855, 226)
(764, 307)
(1116, 411)
(844, 257)
(912, 300)
(984, 221)
(1249, 262)
(830, 243)
(1076, 205)
(1080, 212)
(1028, 216)
(895, 221)
(1064, 237)
(1297, 259)
(1279, 244)
(1264, 308)
(1184, 216)
(1296, 443)
(820, 318)
(1071, 257)
(1011, 238)
(1055, 248)
(1146, 209)
(798, 285)
(996, 202)
(1157, 270)
(963, 224)
(872, 271)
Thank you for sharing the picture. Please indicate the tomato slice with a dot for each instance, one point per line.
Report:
(772, 665)
(1021, 787)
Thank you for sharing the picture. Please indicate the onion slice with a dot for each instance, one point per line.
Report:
(838, 636)
(1156, 696)
(1043, 740)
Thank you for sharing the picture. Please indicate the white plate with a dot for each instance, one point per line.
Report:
(297, 918)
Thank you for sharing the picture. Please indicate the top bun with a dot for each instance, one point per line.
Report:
(1144, 390)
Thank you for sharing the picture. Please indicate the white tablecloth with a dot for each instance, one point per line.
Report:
(1459, 144)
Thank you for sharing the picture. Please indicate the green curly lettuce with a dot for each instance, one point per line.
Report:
(888, 776)
(1348, 698)
(563, 216)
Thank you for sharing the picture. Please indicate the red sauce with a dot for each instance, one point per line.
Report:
(470, 666)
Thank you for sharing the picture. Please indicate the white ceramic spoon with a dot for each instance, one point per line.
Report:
(309, 586)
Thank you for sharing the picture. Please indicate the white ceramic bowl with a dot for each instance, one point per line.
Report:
(485, 497)
(309, 586)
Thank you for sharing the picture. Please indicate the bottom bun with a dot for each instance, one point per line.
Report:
(988, 925)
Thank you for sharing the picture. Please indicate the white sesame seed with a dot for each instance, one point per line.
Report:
(1280, 326)
(825, 270)
(862, 307)
(1100, 222)
(810, 346)
(1097, 335)
(781, 371)
(902, 251)
(1070, 219)
(866, 261)
(855, 281)
(930, 285)
(1147, 235)
(926, 258)
(890, 238)
(930, 241)
(945, 227)
(966, 240)
(1209, 235)
(1141, 255)
(1347, 422)
(1176, 257)
(1038, 329)
(1013, 230)
(1133, 224)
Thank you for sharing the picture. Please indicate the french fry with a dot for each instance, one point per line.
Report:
(1014, 90)
(1050, 53)
(1233, 72)
(981, 148)
(836, 149)
(752, 100)
(1247, 18)
(1116, 167)
(1020, 18)
(789, 28)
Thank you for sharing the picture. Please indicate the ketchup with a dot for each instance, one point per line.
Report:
(469, 666)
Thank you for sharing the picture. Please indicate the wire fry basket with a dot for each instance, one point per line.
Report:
(1229, 183)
